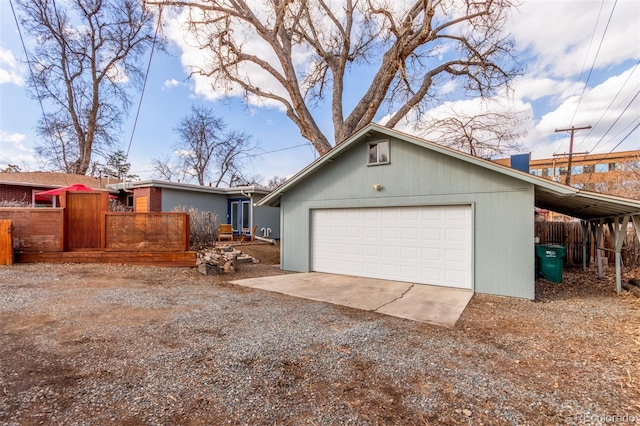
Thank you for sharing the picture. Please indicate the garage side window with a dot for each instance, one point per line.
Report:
(378, 153)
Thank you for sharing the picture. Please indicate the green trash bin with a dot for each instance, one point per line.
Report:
(551, 261)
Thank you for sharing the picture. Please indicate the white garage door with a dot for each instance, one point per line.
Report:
(428, 245)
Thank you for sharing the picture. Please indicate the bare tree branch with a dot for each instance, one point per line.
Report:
(414, 46)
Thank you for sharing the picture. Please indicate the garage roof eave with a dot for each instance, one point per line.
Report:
(586, 205)
(548, 194)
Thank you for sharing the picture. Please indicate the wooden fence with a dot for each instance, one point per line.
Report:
(35, 229)
(83, 231)
(146, 231)
(569, 234)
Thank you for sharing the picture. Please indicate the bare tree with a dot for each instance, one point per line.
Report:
(86, 52)
(165, 169)
(484, 134)
(207, 151)
(307, 50)
(275, 182)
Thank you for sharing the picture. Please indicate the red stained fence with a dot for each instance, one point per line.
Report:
(84, 224)
(146, 231)
(35, 229)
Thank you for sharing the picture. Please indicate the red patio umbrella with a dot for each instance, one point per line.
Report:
(73, 188)
(76, 187)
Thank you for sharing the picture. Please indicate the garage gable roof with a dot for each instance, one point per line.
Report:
(549, 195)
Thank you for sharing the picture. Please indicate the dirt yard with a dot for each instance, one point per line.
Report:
(116, 344)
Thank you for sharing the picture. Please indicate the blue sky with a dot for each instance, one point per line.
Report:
(557, 42)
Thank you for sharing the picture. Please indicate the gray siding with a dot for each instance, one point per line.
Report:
(503, 208)
(264, 217)
(203, 201)
(267, 217)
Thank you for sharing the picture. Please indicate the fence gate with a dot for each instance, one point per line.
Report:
(6, 243)
(83, 215)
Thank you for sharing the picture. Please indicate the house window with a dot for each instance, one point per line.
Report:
(562, 171)
(613, 167)
(602, 168)
(378, 153)
(590, 168)
(576, 170)
(240, 215)
(130, 201)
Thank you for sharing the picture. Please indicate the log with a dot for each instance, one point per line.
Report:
(632, 288)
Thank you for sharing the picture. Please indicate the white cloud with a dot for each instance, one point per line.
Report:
(13, 138)
(193, 58)
(533, 88)
(557, 34)
(10, 69)
(169, 84)
(14, 150)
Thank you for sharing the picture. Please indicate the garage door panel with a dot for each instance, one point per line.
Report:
(389, 214)
(430, 245)
(431, 234)
(431, 255)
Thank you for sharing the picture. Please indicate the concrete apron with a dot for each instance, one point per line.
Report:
(417, 302)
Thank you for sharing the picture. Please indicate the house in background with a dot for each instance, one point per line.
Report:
(233, 205)
(593, 172)
(23, 186)
(387, 205)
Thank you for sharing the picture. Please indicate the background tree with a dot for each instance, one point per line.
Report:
(296, 54)
(84, 58)
(275, 182)
(484, 134)
(207, 152)
(11, 168)
(117, 167)
(165, 168)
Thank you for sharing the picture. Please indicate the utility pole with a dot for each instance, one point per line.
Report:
(572, 129)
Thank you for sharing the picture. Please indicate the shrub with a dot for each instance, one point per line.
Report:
(14, 203)
(204, 226)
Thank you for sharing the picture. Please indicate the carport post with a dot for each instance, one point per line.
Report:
(636, 224)
(619, 232)
(585, 235)
(598, 238)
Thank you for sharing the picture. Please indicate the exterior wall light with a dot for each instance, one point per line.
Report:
(377, 186)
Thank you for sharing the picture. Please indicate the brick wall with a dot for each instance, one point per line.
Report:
(15, 193)
(153, 195)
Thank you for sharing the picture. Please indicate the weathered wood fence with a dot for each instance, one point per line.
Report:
(569, 234)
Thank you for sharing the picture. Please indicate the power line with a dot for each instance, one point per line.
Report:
(35, 86)
(620, 143)
(246, 155)
(614, 123)
(594, 60)
(144, 84)
(586, 56)
(271, 152)
(610, 104)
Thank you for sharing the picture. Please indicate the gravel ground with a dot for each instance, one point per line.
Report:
(105, 344)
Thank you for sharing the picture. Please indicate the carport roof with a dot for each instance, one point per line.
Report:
(549, 195)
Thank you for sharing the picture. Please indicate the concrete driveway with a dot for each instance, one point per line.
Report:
(417, 302)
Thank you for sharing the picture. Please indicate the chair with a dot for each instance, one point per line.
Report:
(225, 232)
(249, 232)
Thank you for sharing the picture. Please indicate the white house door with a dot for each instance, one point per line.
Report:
(425, 244)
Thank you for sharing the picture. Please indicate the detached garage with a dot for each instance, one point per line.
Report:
(387, 205)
